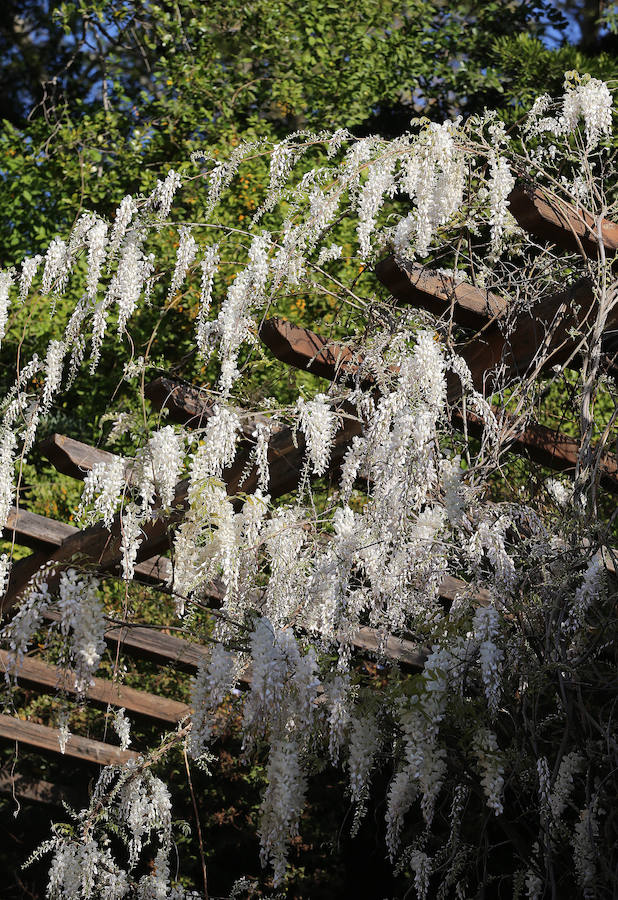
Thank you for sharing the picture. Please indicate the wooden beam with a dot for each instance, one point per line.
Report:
(32, 530)
(552, 219)
(406, 653)
(541, 444)
(306, 350)
(41, 737)
(540, 338)
(187, 404)
(72, 457)
(552, 449)
(150, 643)
(439, 294)
(40, 791)
(41, 676)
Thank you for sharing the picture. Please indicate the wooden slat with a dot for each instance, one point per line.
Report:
(150, 643)
(549, 325)
(543, 445)
(40, 791)
(35, 531)
(552, 219)
(191, 406)
(44, 738)
(439, 294)
(306, 350)
(40, 675)
(406, 653)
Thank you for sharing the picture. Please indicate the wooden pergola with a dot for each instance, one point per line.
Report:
(549, 327)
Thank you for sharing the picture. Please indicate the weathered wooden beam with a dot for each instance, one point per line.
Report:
(150, 643)
(72, 457)
(35, 531)
(541, 444)
(541, 338)
(303, 349)
(552, 219)
(41, 533)
(187, 404)
(552, 449)
(408, 654)
(41, 676)
(439, 294)
(41, 737)
(40, 791)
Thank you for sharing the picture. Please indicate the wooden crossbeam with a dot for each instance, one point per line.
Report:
(41, 533)
(439, 294)
(41, 737)
(72, 457)
(35, 531)
(541, 444)
(303, 349)
(150, 643)
(40, 791)
(40, 675)
(552, 219)
(544, 337)
(187, 404)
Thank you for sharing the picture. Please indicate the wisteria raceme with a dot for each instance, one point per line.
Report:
(6, 281)
(364, 746)
(83, 621)
(131, 536)
(53, 372)
(159, 466)
(486, 631)
(218, 446)
(433, 178)
(421, 866)
(8, 446)
(592, 101)
(29, 269)
(103, 488)
(501, 183)
(163, 195)
(380, 182)
(122, 727)
(208, 689)
(570, 765)
(186, 253)
(319, 424)
(97, 242)
(208, 266)
(57, 267)
(491, 768)
(123, 218)
(281, 807)
(134, 269)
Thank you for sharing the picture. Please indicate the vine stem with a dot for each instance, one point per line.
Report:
(197, 822)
